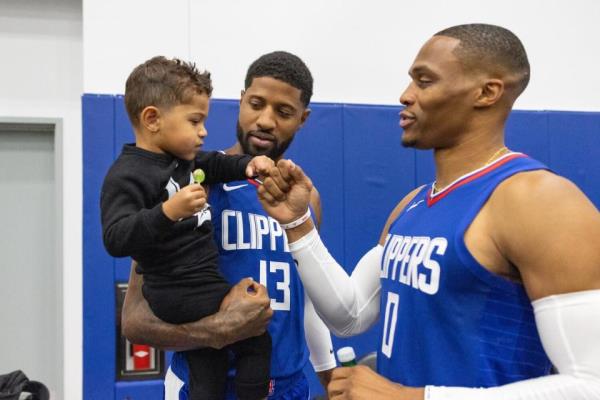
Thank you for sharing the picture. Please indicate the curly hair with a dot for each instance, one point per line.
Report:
(163, 83)
(285, 67)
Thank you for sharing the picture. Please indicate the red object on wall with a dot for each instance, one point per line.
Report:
(141, 356)
(135, 361)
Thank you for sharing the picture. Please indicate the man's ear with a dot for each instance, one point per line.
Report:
(242, 92)
(489, 93)
(150, 119)
(304, 117)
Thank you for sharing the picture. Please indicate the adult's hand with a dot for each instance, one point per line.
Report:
(242, 314)
(362, 383)
(285, 193)
(325, 377)
(259, 165)
(245, 311)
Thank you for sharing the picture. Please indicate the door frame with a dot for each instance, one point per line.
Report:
(52, 126)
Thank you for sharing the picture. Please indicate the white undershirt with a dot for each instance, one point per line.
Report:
(347, 304)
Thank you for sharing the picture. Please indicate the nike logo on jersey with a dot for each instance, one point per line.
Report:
(228, 188)
(413, 205)
(411, 260)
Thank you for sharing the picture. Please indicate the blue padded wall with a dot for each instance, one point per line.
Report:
(98, 292)
(354, 157)
(527, 131)
(317, 149)
(575, 150)
(377, 173)
(139, 390)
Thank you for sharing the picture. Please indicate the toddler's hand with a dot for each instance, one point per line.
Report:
(185, 203)
(259, 165)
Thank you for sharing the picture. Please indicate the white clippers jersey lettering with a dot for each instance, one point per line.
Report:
(411, 260)
(253, 232)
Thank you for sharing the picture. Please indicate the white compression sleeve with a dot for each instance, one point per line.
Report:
(347, 304)
(569, 327)
(318, 339)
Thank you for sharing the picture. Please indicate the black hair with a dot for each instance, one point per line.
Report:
(491, 45)
(285, 67)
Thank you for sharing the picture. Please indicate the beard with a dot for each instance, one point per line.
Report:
(410, 140)
(274, 152)
(408, 143)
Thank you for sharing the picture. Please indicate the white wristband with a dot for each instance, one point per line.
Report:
(297, 222)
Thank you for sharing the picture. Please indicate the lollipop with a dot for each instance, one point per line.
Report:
(198, 175)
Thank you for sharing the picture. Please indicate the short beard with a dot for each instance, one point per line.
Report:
(408, 143)
(274, 153)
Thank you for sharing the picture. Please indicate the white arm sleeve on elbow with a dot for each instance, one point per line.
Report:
(569, 327)
(347, 304)
(318, 339)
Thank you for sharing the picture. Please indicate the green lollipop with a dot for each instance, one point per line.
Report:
(198, 175)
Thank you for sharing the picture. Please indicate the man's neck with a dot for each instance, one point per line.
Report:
(452, 163)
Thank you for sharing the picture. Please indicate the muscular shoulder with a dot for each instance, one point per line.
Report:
(548, 229)
(539, 194)
(396, 211)
(536, 183)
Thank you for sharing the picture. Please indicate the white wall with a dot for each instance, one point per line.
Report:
(358, 51)
(41, 42)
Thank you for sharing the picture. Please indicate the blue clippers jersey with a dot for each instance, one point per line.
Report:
(251, 244)
(448, 320)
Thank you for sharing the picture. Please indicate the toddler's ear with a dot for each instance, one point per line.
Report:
(150, 119)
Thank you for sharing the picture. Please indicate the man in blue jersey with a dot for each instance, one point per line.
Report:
(273, 107)
(483, 278)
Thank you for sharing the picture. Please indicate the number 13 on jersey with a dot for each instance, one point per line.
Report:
(277, 273)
